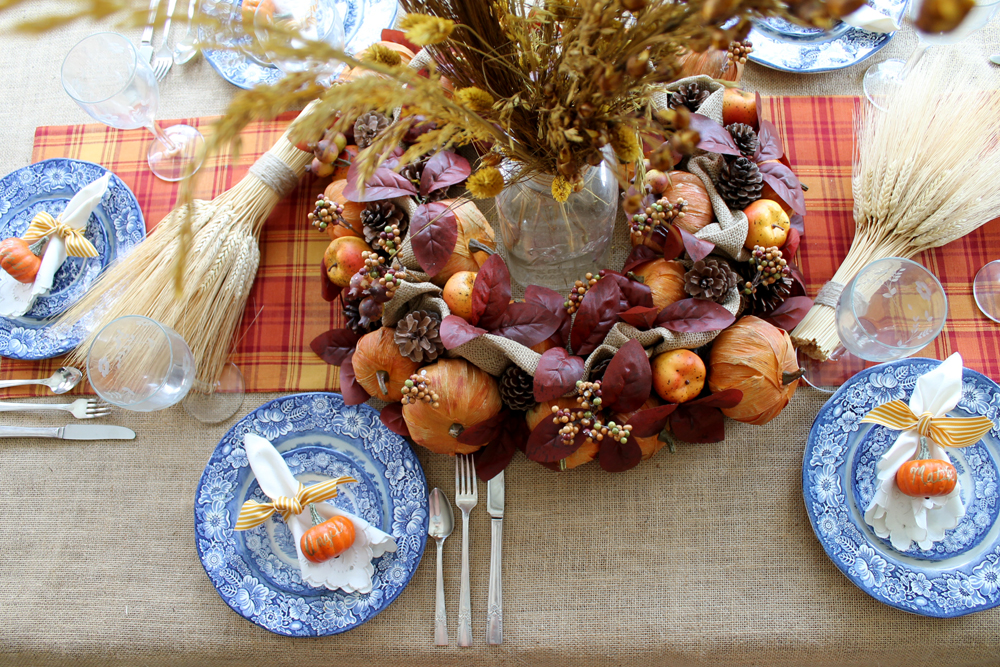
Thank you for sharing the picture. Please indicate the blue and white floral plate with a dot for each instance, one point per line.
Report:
(115, 227)
(961, 574)
(785, 46)
(364, 21)
(256, 571)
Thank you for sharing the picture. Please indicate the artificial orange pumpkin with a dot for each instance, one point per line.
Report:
(467, 396)
(379, 367)
(352, 209)
(343, 163)
(924, 477)
(651, 444)
(713, 62)
(757, 358)
(328, 539)
(472, 225)
(690, 188)
(665, 279)
(17, 259)
(586, 453)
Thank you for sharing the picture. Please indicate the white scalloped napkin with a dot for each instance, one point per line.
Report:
(352, 571)
(906, 519)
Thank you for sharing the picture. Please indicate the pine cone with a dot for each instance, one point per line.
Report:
(710, 279)
(598, 369)
(418, 336)
(517, 388)
(740, 182)
(414, 171)
(745, 138)
(689, 95)
(384, 225)
(353, 319)
(367, 126)
(765, 280)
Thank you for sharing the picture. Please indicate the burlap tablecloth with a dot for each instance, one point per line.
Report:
(700, 557)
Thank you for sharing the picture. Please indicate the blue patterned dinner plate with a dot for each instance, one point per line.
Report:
(256, 571)
(115, 227)
(959, 575)
(241, 66)
(782, 45)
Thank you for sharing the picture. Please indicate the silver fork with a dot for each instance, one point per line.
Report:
(466, 497)
(163, 59)
(146, 45)
(83, 408)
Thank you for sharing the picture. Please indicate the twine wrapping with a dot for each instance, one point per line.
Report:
(44, 224)
(275, 174)
(829, 294)
(254, 513)
(946, 431)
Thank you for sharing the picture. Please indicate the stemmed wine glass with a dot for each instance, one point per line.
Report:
(885, 78)
(104, 74)
(292, 23)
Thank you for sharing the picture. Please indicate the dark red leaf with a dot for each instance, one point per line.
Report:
(628, 379)
(433, 233)
(791, 244)
(384, 184)
(456, 332)
(694, 316)
(714, 137)
(698, 424)
(648, 423)
(545, 445)
(443, 170)
(785, 183)
(335, 345)
(398, 37)
(670, 239)
(639, 256)
(729, 398)
(330, 291)
(392, 417)
(790, 313)
(696, 247)
(798, 223)
(491, 292)
(494, 457)
(484, 431)
(758, 107)
(616, 456)
(354, 393)
(798, 281)
(634, 292)
(597, 314)
(556, 374)
(641, 317)
(526, 323)
(555, 304)
(768, 143)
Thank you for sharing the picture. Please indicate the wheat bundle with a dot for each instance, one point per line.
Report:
(924, 174)
(219, 268)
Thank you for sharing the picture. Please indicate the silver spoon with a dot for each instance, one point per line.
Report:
(440, 525)
(186, 48)
(995, 59)
(61, 381)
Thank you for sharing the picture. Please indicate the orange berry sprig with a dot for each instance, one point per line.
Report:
(326, 213)
(661, 212)
(417, 388)
(579, 290)
(586, 419)
(738, 51)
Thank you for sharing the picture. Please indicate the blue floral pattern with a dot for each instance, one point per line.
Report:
(962, 574)
(115, 227)
(255, 571)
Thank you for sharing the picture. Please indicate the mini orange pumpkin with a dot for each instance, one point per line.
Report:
(379, 367)
(328, 539)
(17, 259)
(713, 62)
(924, 477)
(586, 453)
(649, 445)
(472, 226)
(665, 279)
(352, 210)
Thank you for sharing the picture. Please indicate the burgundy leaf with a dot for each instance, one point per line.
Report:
(798, 281)
(670, 239)
(714, 137)
(556, 374)
(384, 184)
(698, 424)
(768, 143)
(634, 292)
(641, 317)
(433, 233)
(639, 256)
(330, 291)
(335, 345)
(785, 184)
(616, 456)
(648, 423)
(791, 244)
(729, 398)
(597, 314)
(484, 431)
(354, 393)
(798, 223)
(790, 313)
(443, 170)
(759, 108)
(694, 316)
(555, 304)
(696, 247)
(526, 323)
(392, 417)
(494, 457)
(546, 446)
(491, 292)
(456, 332)
(628, 379)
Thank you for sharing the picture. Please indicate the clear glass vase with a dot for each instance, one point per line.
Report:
(554, 244)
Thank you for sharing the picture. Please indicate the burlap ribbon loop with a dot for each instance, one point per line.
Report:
(44, 224)
(253, 513)
(946, 431)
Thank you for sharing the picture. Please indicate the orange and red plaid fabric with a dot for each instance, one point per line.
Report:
(285, 310)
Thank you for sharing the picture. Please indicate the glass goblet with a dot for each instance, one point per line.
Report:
(986, 290)
(293, 23)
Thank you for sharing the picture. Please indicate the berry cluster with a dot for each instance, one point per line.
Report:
(579, 290)
(417, 388)
(738, 51)
(388, 239)
(659, 213)
(770, 268)
(374, 285)
(326, 213)
(584, 419)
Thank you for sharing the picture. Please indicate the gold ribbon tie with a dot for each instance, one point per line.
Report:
(946, 431)
(44, 224)
(254, 513)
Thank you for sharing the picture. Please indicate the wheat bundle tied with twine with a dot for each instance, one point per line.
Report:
(220, 258)
(925, 173)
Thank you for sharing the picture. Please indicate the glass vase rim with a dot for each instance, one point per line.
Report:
(164, 329)
(133, 67)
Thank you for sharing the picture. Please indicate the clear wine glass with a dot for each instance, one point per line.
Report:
(293, 23)
(986, 289)
(104, 74)
(885, 78)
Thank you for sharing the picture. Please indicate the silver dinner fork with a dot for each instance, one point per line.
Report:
(163, 59)
(466, 497)
(83, 408)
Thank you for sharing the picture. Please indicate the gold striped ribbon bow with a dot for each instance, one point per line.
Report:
(254, 513)
(44, 224)
(946, 431)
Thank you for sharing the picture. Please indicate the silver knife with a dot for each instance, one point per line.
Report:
(494, 612)
(146, 45)
(69, 432)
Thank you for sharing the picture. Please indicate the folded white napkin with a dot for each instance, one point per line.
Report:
(871, 20)
(352, 570)
(905, 519)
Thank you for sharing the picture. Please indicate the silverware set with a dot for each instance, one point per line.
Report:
(441, 524)
(164, 57)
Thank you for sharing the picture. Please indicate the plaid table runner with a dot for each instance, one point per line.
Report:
(285, 310)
